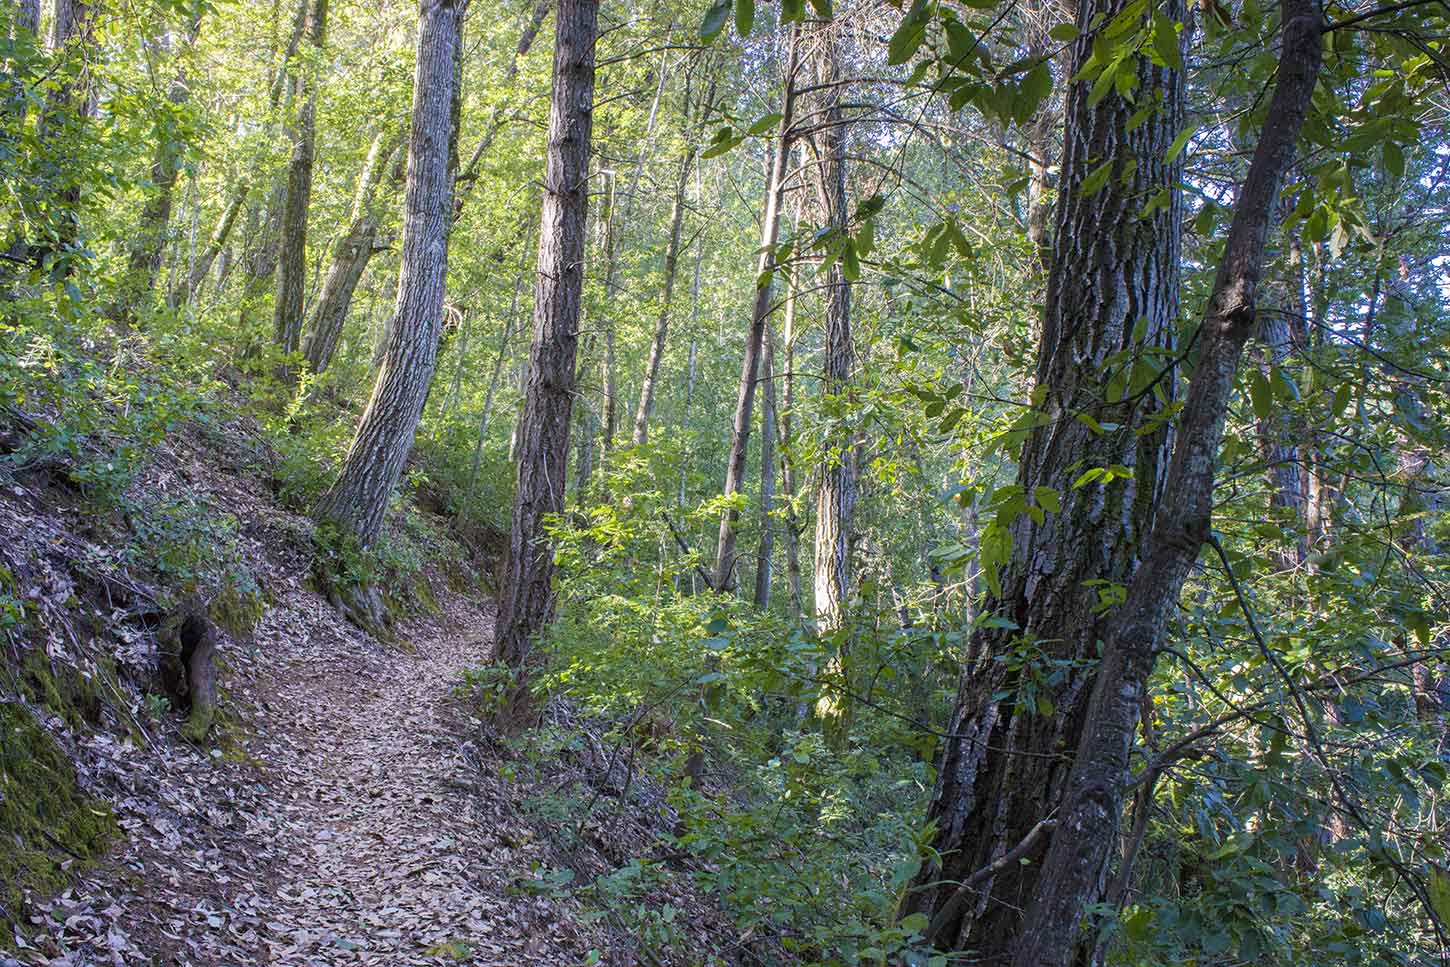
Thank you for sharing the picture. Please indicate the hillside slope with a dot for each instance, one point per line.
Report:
(336, 812)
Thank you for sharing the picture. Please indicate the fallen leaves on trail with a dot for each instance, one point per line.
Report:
(338, 819)
(355, 842)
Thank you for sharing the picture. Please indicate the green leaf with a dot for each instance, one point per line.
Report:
(850, 266)
(1394, 159)
(915, 923)
(792, 11)
(1179, 143)
(910, 35)
(1096, 179)
(1165, 41)
(1341, 397)
(1064, 33)
(714, 21)
(1048, 498)
(1260, 395)
(823, 9)
(764, 124)
(744, 16)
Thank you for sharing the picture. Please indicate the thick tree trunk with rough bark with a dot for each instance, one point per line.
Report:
(1045, 925)
(527, 596)
(358, 500)
(745, 399)
(1076, 863)
(350, 259)
(1113, 289)
(292, 258)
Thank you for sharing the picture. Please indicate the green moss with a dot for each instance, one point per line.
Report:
(238, 607)
(452, 949)
(47, 824)
(73, 696)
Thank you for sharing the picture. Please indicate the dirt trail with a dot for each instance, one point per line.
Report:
(355, 825)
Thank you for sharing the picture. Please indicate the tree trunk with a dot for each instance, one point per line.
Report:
(836, 496)
(662, 322)
(358, 500)
(196, 279)
(1113, 289)
(745, 399)
(292, 257)
(786, 418)
(146, 249)
(527, 603)
(350, 259)
(1076, 862)
(765, 551)
(493, 378)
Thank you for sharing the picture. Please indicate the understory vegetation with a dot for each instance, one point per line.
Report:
(960, 482)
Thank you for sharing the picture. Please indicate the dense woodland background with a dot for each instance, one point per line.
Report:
(983, 463)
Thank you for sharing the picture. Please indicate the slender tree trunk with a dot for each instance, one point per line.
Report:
(150, 242)
(765, 551)
(358, 500)
(745, 399)
(662, 321)
(217, 241)
(1112, 292)
(493, 380)
(292, 258)
(350, 259)
(527, 603)
(786, 417)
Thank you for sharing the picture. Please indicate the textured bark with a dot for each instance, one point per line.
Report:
(26, 20)
(527, 596)
(292, 257)
(786, 438)
(662, 321)
(1113, 289)
(745, 398)
(350, 259)
(836, 494)
(765, 550)
(1279, 449)
(358, 500)
(1076, 863)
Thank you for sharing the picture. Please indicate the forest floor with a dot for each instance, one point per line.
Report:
(353, 822)
(340, 812)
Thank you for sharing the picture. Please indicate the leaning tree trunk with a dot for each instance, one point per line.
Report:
(1075, 865)
(350, 259)
(745, 398)
(292, 257)
(1112, 294)
(358, 500)
(527, 596)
